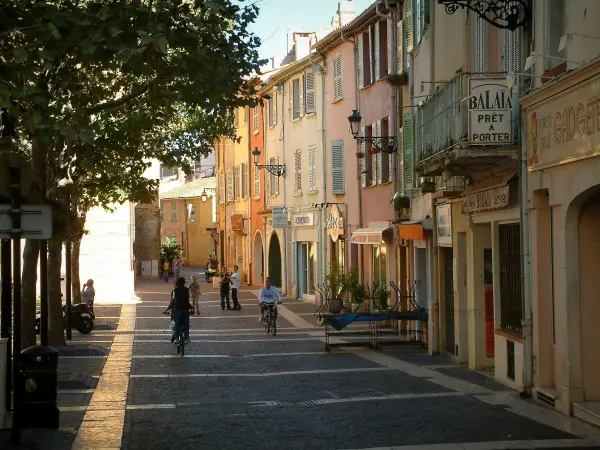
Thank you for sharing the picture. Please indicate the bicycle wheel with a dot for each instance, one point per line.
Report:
(274, 326)
(268, 324)
(182, 346)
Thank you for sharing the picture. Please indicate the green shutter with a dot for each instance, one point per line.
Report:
(425, 13)
(408, 153)
(400, 40)
(337, 168)
(408, 25)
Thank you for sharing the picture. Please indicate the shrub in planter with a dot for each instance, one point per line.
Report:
(398, 79)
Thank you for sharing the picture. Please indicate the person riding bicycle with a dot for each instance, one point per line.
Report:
(180, 307)
(266, 296)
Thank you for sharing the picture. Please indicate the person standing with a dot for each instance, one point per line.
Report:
(176, 267)
(224, 288)
(166, 270)
(88, 293)
(235, 285)
(195, 293)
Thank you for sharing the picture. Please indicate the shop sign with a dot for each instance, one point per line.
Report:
(335, 223)
(486, 200)
(490, 112)
(367, 238)
(444, 225)
(566, 128)
(303, 220)
(237, 222)
(279, 217)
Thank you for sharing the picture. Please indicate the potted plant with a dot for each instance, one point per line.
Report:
(398, 79)
(334, 289)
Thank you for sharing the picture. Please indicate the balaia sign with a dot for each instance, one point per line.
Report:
(490, 112)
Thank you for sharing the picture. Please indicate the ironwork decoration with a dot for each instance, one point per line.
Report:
(507, 14)
(277, 170)
(385, 144)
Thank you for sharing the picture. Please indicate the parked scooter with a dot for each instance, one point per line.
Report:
(82, 318)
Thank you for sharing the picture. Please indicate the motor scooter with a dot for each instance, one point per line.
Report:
(209, 273)
(82, 318)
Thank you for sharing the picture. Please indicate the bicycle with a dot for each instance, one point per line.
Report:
(271, 318)
(181, 341)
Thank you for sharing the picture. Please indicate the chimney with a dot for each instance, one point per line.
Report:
(346, 12)
(302, 44)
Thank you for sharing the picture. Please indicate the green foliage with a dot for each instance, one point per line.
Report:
(381, 296)
(169, 249)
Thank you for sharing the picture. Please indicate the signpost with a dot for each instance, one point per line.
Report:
(280, 217)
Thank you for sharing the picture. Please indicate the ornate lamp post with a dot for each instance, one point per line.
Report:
(204, 197)
(386, 144)
(274, 169)
(507, 14)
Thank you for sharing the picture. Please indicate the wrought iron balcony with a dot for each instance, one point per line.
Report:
(442, 131)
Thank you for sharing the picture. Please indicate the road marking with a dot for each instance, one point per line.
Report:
(493, 445)
(111, 391)
(212, 341)
(256, 355)
(253, 316)
(168, 331)
(84, 357)
(76, 391)
(256, 375)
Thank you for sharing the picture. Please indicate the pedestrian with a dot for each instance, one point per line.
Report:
(166, 270)
(176, 267)
(235, 285)
(88, 293)
(224, 288)
(195, 293)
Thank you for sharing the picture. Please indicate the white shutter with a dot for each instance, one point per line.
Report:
(275, 107)
(312, 168)
(244, 180)
(337, 77)
(409, 25)
(236, 182)
(230, 185)
(481, 45)
(390, 45)
(291, 100)
(361, 70)
(363, 166)
(222, 191)
(256, 183)
(371, 51)
(408, 151)
(338, 186)
(301, 94)
(298, 172)
(511, 50)
(400, 49)
(375, 45)
(373, 156)
(309, 81)
(276, 179)
(379, 154)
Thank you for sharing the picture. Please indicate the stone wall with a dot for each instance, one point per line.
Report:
(147, 234)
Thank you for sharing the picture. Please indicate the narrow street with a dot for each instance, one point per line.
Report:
(238, 388)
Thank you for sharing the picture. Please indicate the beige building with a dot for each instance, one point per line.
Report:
(561, 137)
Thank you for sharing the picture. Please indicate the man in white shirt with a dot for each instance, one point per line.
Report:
(235, 284)
(267, 296)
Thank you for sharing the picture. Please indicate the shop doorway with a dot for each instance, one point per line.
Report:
(450, 341)
(307, 268)
(275, 268)
(589, 306)
(421, 275)
(258, 260)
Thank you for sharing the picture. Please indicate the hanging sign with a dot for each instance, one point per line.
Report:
(490, 112)
(279, 217)
(335, 223)
(444, 225)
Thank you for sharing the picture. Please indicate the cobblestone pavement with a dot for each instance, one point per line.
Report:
(124, 386)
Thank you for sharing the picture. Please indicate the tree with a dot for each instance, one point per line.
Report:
(97, 88)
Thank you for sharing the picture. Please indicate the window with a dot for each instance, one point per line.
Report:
(230, 185)
(512, 43)
(363, 161)
(385, 50)
(162, 210)
(481, 45)
(338, 186)
(309, 92)
(296, 99)
(386, 158)
(256, 183)
(401, 47)
(173, 211)
(166, 172)
(380, 264)
(273, 109)
(298, 172)
(364, 60)
(376, 157)
(421, 18)
(222, 192)
(510, 277)
(375, 52)
(255, 119)
(555, 24)
(273, 180)
(237, 183)
(312, 169)
(407, 151)
(338, 89)
(369, 156)
(409, 37)
(244, 180)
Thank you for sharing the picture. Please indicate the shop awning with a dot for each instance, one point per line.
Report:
(411, 230)
(371, 236)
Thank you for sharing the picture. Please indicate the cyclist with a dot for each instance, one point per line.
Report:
(180, 305)
(266, 296)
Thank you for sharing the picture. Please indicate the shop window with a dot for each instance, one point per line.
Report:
(511, 301)
(380, 264)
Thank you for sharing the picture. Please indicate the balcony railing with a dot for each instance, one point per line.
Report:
(441, 122)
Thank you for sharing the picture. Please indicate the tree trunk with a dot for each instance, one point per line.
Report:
(75, 280)
(31, 254)
(56, 332)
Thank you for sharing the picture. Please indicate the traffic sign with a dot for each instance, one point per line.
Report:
(36, 222)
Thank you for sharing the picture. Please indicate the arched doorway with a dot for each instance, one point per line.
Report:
(275, 260)
(258, 260)
(589, 286)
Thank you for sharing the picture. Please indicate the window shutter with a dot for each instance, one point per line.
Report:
(229, 185)
(276, 179)
(271, 115)
(376, 52)
(407, 148)
(245, 180)
(312, 168)
(363, 161)
(236, 182)
(390, 45)
(337, 168)
(298, 171)
(256, 183)
(379, 155)
(222, 192)
(309, 79)
(425, 16)
(269, 184)
(511, 50)
(291, 100)
(301, 87)
(275, 107)
(400, 49)
(408, 25)
(361, 70)
(337, 77)
(371, 50)
(481, 45)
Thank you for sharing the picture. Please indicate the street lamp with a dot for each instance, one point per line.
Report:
(274, 169)
(204, 196)
(386, 144)
(507, 14)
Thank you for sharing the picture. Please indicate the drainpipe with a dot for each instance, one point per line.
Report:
(265, 260)
(249, 256)
(323, 247)
(359, 175)
(284, 288)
